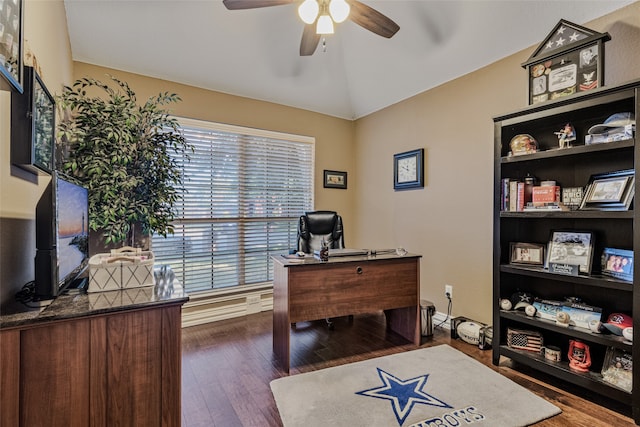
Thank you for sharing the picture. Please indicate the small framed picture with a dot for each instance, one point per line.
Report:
(572, 197)
(527, 253)
(609, 191)
(617, 368)
(335, 179)
(408, 170)
(571, 247)
(618, 263)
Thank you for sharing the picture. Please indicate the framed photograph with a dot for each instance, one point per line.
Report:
(408, 170)
(571, 247)
(527, 253)
(11, 63)
(617, 368)
(618, 263)
(335, 179)
(610, 191)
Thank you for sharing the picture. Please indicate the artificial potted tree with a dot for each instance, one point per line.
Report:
(122, 152)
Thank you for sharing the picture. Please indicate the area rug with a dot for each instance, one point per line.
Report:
(431, 387)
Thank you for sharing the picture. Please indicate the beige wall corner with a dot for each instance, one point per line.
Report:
(449, 222)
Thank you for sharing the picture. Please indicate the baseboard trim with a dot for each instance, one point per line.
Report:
(199, 311)
(441, 320)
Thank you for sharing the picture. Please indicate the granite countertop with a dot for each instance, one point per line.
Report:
(90, 304)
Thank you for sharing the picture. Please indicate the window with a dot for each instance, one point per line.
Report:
(244, 191)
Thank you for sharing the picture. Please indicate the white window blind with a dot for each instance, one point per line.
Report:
(244, 191)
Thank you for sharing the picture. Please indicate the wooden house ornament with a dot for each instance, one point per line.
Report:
(570, 60)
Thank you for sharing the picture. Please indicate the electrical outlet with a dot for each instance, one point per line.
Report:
(448, 289)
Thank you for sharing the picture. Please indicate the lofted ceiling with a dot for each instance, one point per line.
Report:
(254, 53)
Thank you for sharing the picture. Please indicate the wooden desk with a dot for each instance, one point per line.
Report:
(312, 290)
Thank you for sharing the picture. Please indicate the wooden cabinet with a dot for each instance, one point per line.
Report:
(569, 167)
(116, 369)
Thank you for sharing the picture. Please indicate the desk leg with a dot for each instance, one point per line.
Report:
(281, 322)
(405, 322)
(281, 338)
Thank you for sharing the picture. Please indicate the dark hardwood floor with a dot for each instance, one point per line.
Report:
(227, 367)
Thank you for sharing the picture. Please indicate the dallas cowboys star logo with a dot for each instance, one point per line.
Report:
(403, 394)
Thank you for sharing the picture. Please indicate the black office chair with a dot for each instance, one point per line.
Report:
(316, 227)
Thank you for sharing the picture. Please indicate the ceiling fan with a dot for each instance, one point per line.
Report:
(319, 16)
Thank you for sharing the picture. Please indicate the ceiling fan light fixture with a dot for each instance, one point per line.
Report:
(308, 11)
(339, 10)
(325, 25)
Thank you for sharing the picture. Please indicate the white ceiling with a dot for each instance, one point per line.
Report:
(254, 53)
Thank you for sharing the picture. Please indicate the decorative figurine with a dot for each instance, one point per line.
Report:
(579, 356)
(566, 136)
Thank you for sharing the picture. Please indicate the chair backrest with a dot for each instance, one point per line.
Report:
(314, 227)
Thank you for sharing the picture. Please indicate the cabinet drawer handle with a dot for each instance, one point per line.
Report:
(359, 270)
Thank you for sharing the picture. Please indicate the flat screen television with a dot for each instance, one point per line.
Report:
(62, 236)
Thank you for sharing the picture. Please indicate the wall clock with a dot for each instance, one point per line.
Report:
(408, 170)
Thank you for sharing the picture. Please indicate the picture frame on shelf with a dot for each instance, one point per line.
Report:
(610, 191)
(11, 45)
(571, 247)
(526, 253)
(335, 179)
(408, 170)
(617, 368)
(572, 197)
(618, 263)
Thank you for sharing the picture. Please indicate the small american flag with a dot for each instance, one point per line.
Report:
(524, 340)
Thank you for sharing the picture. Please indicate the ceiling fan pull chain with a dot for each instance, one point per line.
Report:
(324, 44)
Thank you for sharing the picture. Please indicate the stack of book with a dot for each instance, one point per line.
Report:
(518, 196)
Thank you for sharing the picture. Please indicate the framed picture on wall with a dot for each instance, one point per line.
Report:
(408, 170)
(335, 179)
(33, 125)
(11, 63)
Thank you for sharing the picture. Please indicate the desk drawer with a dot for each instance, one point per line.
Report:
(329, 290)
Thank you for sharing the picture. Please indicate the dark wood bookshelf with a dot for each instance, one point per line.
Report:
(569, 167)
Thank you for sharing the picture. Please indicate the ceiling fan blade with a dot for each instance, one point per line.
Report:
(253, 4)
(309, 41)
(372, 20)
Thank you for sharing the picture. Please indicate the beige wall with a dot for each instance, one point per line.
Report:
(449, 222)
(45, 32)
